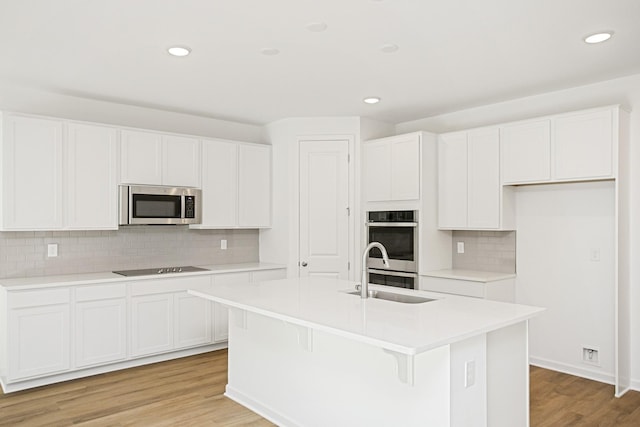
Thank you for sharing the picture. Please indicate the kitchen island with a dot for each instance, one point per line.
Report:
(305, 352)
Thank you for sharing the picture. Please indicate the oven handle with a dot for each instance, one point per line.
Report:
(393, 273)
(391, 224)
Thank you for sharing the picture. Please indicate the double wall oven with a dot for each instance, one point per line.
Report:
(398, 233)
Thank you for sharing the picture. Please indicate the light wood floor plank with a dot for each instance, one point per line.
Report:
(189, 392)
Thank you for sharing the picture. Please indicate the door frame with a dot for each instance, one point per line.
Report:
(354, 207)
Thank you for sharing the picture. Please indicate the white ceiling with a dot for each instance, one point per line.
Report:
(453, 54)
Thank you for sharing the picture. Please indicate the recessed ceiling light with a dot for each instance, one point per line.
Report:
(598, 37)
(317, 27)
(269, 51)
(389, 48)
(179, 50)
(371, 100)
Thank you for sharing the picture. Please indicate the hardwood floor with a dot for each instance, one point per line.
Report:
(559, 399)
(182, 392)
(189, 392)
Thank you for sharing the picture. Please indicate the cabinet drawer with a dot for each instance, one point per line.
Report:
(97, 292)
(161, 286)
(38, 298)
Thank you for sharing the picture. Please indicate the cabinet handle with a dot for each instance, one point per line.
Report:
(304, 263)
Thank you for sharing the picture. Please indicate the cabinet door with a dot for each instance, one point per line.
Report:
(100, 332)
(254, 185)
(583, 146)
(141, 158)
(91, 182)
(151, 324)
(32, 174)
(526, 152)
(219, 184)
(405, 168)
(484, 187)
(192, 324)
(38, 341)
(377, 171)
(452, 180)
(181, 161)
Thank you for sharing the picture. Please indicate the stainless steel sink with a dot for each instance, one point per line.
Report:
(390, 296)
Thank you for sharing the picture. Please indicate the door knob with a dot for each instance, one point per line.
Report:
(304, 263)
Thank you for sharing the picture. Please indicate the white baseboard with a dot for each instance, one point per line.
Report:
(578, 371)
(259, 408)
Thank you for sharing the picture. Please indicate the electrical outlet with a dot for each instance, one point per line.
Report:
(591, 355)
(460, 247)
(52, 250)
(594, 255)
(223, 244)
(469, 373)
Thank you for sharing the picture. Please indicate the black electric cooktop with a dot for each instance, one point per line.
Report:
(160, 270)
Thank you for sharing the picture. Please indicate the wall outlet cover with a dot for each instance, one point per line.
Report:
(460, 247)
(52, 250)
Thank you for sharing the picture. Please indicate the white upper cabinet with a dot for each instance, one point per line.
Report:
(526, 150)
(254, 185)
(32, 152)
(575, 146)
(452, 180)
(392, 168)
(219, 183)
(91, 181)
(180, 161)
(141, 158)
(583, 145)
(150, 158)
(470, 195)
(484, 188)
(236, 185)
(58, 175)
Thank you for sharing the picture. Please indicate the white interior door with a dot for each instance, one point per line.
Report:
(324, 208)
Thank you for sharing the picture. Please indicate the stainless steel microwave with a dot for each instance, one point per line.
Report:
(158, 205)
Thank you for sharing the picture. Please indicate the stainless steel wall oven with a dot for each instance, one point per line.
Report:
(398, 233)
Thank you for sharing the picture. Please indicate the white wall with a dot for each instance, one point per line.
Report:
(558, 227)
(624, 91)
(33, 101)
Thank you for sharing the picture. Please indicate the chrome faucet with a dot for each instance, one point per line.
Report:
(364, 285)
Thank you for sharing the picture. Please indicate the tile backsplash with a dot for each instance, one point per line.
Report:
(24, 253)
(485, 251)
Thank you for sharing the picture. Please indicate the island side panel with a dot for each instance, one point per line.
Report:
(508, 376)
(332, 381)
(469, 382)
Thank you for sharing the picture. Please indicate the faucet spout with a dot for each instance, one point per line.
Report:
(364, 284)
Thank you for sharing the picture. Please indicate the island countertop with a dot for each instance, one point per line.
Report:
(324, 304)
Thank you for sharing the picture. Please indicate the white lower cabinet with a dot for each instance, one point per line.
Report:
(63, 332)
(151, 324)
(496, 290)
(101, 332)
(165, 318)
(38, 334)
(192, 321)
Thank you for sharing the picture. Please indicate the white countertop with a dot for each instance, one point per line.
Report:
(322, 304)
(103, 277)
(471, 275)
